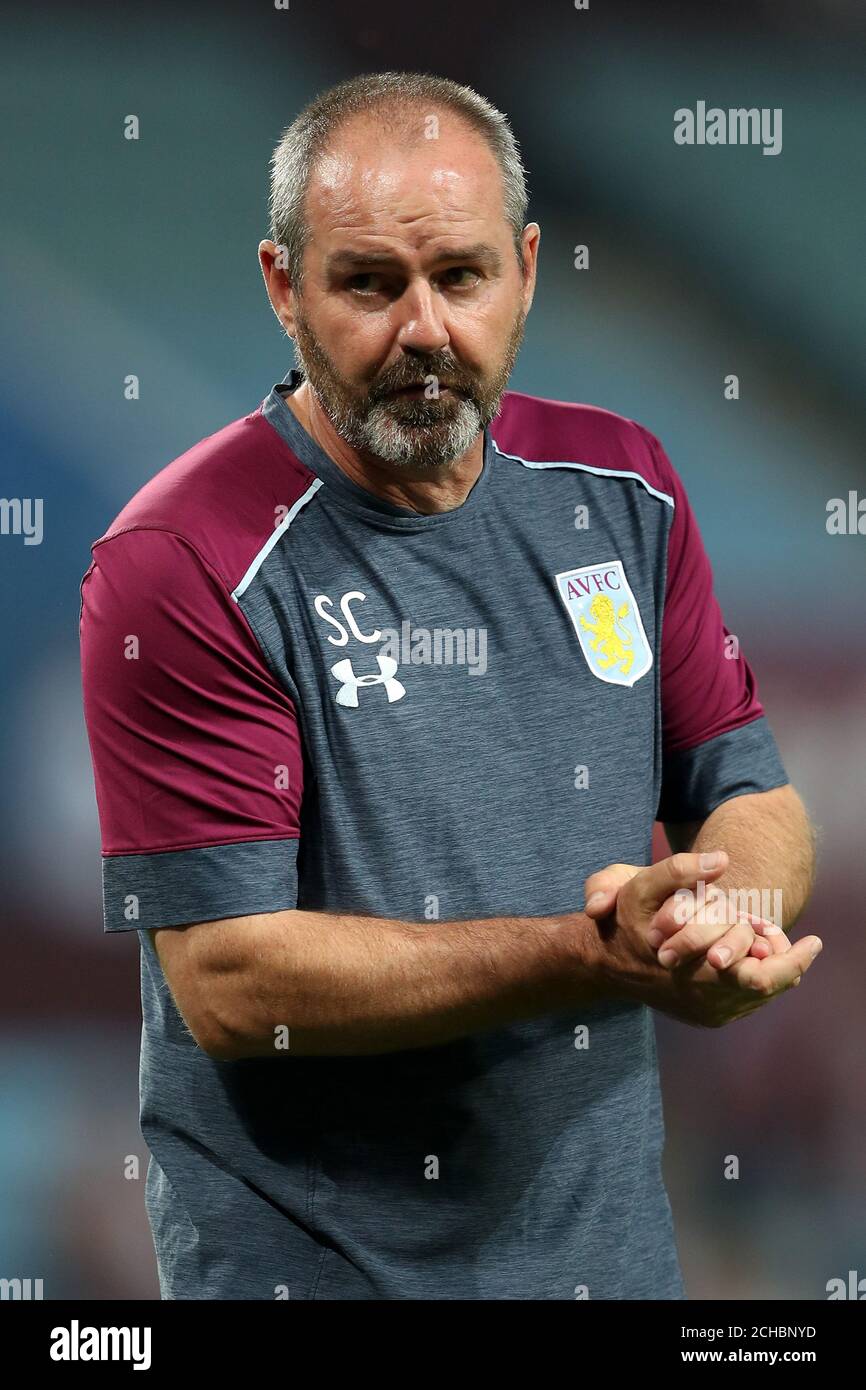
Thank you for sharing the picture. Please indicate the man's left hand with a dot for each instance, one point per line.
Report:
(724, 937)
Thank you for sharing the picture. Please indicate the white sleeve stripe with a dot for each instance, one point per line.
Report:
(272, 540)
(588, 468)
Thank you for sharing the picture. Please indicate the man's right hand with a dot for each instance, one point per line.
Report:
(695, 991)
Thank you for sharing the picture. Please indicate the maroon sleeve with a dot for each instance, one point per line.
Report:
(196, 750)
(716, 741)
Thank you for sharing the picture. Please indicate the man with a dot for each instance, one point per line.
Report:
(367, 703)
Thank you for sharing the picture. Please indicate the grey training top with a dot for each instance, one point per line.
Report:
(300, 695)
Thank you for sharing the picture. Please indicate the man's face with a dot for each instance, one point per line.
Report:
(410, 274)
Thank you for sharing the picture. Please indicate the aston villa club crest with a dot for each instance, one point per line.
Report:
(607, 621)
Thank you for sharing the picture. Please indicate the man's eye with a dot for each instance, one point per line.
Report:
(362, 282)
(369, 282)
(463, 276)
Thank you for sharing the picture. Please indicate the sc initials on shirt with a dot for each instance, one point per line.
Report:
(319, 603)
(607, 620)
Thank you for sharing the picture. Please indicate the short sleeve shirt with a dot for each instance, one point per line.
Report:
(300, 695)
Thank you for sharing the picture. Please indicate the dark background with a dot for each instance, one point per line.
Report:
(139, 257)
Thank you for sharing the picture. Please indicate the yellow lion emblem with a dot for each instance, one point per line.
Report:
(613, 643)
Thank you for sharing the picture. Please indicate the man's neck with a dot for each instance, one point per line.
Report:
(398, 484)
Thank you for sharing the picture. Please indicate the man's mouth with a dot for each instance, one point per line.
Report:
(419, 388)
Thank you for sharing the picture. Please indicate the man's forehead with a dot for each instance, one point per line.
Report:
(361, 172)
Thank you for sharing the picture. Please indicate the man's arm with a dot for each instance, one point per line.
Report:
(346, 985)
(350, 985)
(770, 842)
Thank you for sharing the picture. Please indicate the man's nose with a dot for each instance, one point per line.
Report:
(421, 319)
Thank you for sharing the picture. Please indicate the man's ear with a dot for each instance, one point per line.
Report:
(531, 240)
(274, 268)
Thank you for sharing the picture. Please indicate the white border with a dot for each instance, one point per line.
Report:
(588, 468)
(272, 540)
(591, 569)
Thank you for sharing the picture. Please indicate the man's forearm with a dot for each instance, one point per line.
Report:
(770, 842)
(345, 985)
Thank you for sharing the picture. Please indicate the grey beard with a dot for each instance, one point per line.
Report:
(422, 445)
(428, 443)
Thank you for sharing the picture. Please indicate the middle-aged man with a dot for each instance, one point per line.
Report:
(381, 680)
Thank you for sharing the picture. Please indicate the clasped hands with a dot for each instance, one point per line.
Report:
(719, 964)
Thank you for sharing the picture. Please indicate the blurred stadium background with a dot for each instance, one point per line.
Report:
(120, 257)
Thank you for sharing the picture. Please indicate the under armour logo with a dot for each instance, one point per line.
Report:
(348, 692)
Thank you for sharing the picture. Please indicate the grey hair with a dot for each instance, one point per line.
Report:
(394, 97)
